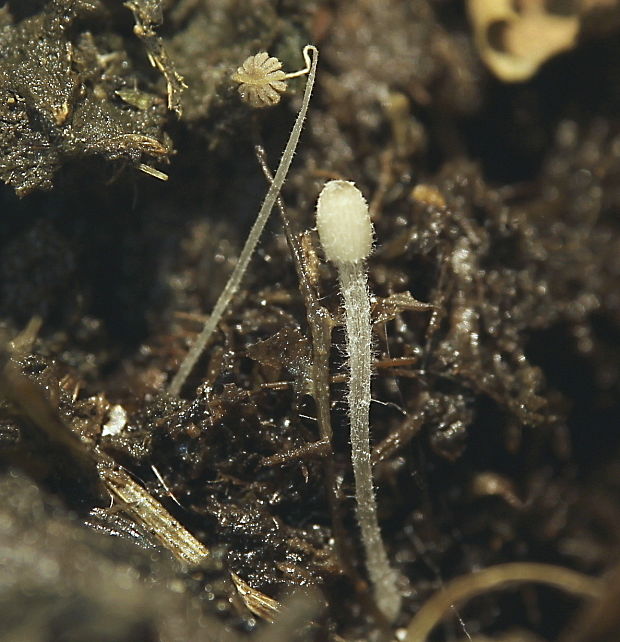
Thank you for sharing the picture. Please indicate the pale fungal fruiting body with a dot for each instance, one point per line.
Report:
(234, 280)
(344, 223)
(346, 235)
(262, 81)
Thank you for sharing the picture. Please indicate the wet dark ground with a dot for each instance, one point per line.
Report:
(495, 425)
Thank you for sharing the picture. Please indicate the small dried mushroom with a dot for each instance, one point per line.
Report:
(234, 281)
(262, 81)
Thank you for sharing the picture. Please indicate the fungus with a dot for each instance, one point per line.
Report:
(261, 79)
(234, 280)
(346, 235)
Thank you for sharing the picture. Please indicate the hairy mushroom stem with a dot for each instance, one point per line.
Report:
(346, 235)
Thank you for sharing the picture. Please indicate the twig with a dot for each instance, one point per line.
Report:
(464, 588)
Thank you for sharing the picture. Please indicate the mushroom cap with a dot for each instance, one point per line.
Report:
(261, 80)
(344, 224)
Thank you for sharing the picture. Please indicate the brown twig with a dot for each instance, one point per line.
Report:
(464, 588)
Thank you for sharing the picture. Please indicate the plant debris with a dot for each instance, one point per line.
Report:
(495, 314)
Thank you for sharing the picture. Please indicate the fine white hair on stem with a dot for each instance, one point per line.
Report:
(248, 249)
(346, 235)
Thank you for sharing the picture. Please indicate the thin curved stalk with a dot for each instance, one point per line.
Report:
(493, 578)
(234, 281)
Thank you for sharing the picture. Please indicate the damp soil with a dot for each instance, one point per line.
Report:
(496, 405)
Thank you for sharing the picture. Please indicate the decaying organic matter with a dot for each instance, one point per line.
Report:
(61, 102)
(495, 403)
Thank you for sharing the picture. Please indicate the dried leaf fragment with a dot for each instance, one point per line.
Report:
(151, 515)
(285, 350)
(259, 603)
(386, 309)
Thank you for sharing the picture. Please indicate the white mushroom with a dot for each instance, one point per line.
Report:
(346, 234)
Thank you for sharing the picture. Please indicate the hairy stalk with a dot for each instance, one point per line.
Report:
(353, 285)
(234, 280)
(320, 324)
(346, 234)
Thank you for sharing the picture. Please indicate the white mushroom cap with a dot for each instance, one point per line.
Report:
(343, 222)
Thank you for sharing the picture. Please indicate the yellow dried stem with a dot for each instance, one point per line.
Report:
(464, 588)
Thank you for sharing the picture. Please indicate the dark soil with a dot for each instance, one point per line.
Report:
(495, 427)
